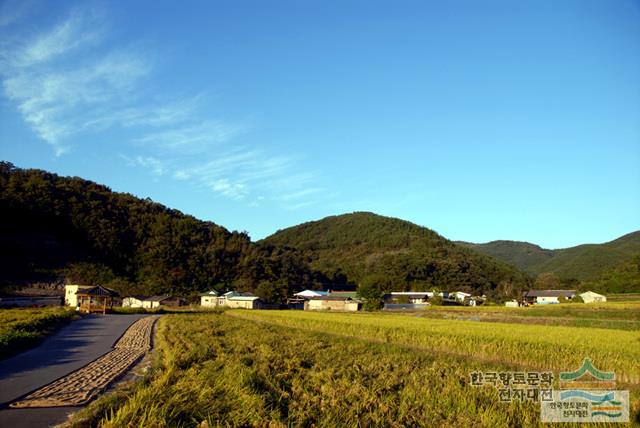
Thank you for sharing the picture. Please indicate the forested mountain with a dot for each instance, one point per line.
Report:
(59, 227)
(523, 255)
(391, 254)
(584, 262)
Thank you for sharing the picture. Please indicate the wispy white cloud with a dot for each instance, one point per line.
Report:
(84, 27)
(70, 80)
(227, 188)
(299, 194)
(194, 137)
(154, 165)
(59, 86)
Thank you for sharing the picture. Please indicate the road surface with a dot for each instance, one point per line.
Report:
(71, 348)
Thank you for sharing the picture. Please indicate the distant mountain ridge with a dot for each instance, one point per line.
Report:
(585, 262)
(396, 254)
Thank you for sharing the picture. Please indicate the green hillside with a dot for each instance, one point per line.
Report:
(523, 255)
(66, 228)
(584, 262)
(395, 254)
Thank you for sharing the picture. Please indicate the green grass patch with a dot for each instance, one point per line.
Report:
(21, 329)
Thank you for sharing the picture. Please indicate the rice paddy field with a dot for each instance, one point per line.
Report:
(26, 327)
(296, 368)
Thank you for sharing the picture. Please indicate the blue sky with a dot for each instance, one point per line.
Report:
(482, 120)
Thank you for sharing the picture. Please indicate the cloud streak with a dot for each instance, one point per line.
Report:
(70, 81)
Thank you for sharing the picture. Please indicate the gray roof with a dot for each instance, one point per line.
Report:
(416, 295)
(159, 298)
(550, 293)
(98, 290)
(243, 298)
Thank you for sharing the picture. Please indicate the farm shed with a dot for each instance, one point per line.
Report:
(591, 297)
(133, 301)
(545, 297)
(243, 302)
(157, 301)
(334, 303)
(96, 299)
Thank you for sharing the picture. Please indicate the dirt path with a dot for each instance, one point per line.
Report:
(83, 385)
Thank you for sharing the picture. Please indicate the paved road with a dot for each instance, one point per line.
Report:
(70, 348)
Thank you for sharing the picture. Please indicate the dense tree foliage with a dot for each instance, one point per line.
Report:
(624, 278)
(381, 254)
(58, 227)
(583, 263)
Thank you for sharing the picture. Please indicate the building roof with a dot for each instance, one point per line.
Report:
(209, 293)
(243, 298)
(311, 293)
(412, 294)
(97, 290)
(159, 298)
(461, 293)
(550, 293)
(591, 293)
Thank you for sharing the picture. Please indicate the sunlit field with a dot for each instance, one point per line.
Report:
(281, 368)
(23, 328)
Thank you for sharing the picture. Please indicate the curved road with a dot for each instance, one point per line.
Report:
(72, 347)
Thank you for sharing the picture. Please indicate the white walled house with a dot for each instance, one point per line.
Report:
(157, 301)
(210, 299)
(459, 296)
(546, 297)
(243, 302)
(133, 301)
(70, 291)
(591, 297)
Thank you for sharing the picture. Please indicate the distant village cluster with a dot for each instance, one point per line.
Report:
(89, 298)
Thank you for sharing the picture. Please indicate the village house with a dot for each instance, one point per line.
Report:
(230, 299)
(70, 291)
(311, 293)
(209, 299)
(243, 301)
(459, 296)
(546, 297)
(298, 299)
(157, 301)
(135, 301)
(96, 299)
(591, 297)
(334, 303)
(414, 297)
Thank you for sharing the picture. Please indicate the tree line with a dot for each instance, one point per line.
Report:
(69, 229)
